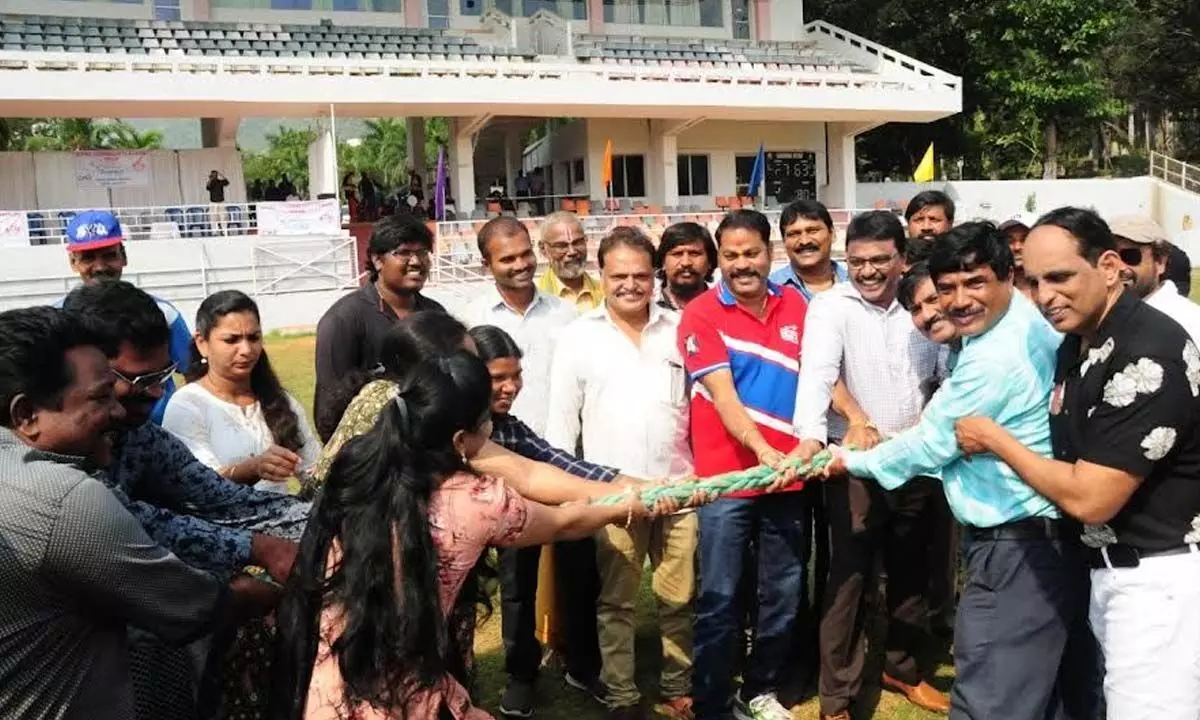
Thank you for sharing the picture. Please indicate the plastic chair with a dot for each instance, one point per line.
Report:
(175, 215)
(233, 218)
(197, 221)
(64, 219)
(37, 228)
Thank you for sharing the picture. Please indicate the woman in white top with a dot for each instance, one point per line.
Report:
(233, 414)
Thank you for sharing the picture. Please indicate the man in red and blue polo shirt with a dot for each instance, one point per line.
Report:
(741, 345)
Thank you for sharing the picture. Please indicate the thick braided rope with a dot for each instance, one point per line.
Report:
(756, 478)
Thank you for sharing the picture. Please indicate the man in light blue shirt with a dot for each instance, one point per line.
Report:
(807, 231)
(1025, 582)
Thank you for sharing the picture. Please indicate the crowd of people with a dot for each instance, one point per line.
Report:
(1015, 405)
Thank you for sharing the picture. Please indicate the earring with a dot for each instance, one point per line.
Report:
(203, 360)
(464, 459)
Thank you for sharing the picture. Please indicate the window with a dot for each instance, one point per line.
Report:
(743, 165)
(693, 174)
(578, 165)
(629, 176)
(439, 14)
(689, 13)
(567, 9)
(166, 9)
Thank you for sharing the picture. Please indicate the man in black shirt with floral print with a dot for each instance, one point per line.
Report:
(1125, 424)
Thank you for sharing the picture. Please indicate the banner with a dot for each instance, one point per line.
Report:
(301, 217)
(112, 168)
(14, 229)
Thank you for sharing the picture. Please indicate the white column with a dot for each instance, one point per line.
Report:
(416, 148)
(662, 178)
(512, 159)
(322, 165)
(462, 166)
(219, 131)
(841, 187)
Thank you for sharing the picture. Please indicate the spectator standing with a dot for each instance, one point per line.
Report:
(564, 244)
(684, 262)
(233, 414)
(930, 213)
(807, 230)
(1016, 230)
(740, 342)
(350, 332)
(96, 248)
(1142, 246)
(216, 199)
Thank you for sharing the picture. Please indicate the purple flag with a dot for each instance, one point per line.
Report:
(439, 193)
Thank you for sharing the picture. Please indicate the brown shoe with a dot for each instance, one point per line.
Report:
(678, 708)
(922, 695)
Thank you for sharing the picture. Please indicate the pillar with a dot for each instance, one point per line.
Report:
(416, 148)
(218, 132)
(662, 174)
(512, 159)
(412, 14)
(841, 188)
(762, 19)
(322, 165)
(462, 165)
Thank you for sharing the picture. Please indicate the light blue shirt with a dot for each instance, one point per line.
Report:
(787, 276)
(1006, 374)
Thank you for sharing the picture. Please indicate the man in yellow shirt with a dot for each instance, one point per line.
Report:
(564, 245)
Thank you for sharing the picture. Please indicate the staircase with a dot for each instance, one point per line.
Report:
(1175, 172)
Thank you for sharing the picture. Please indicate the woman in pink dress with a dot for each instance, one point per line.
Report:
(402, 523)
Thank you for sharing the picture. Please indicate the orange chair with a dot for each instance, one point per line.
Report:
(583, 208)
(721, 202)
(734, 203)
(493, 206)
(567, 205)
(747, 202)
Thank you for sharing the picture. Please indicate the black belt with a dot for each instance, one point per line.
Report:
(1127, 556)
(1035, 528)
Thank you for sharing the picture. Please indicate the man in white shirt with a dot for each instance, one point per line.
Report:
(515, 305)
(859, 332)
(1143, 247)
(618, 380)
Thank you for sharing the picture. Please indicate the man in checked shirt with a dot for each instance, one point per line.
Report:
(860, 332)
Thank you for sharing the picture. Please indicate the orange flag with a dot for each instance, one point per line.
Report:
(606, 169)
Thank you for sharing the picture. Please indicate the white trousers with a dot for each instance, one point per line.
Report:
(1147, 621)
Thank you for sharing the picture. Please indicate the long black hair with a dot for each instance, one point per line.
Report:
(276, 407)
(424, 334)
(494, 343)
(375, 506)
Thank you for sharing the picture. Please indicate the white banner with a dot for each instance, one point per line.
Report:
(14, 229)
(112, 168)
(301, 217)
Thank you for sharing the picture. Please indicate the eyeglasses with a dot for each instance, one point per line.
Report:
(1131, 255)
(149, 381)
(576, 244)
(879, 262)
(408, 254)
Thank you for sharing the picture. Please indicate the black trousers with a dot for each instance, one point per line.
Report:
(864, 520)
(1022, 602)
(577, 585)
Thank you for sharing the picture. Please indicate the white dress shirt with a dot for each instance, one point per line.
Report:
(630, 400)
(880, 353)
(221, 434)
(536, 333)
(1169, 302)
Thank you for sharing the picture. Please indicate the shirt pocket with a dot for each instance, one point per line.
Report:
(671, 383)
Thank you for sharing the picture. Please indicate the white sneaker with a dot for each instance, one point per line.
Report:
(763, 707)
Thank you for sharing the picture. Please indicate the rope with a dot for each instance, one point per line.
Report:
(756, 478)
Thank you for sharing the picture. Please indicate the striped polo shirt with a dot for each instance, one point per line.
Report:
(764, 357)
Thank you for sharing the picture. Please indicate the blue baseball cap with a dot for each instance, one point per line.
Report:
(93, 230)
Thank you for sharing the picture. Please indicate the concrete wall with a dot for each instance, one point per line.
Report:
(1000, 200)
(1178, 211)
(787, 20)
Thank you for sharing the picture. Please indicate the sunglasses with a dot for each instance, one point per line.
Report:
(149, 381)
(1131, 256)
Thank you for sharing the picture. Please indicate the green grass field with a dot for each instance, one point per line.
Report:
(292, 358)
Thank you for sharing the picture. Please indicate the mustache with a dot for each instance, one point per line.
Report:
(745, 274)
(808, 247)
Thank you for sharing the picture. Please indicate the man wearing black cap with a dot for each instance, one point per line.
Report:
(349, 334)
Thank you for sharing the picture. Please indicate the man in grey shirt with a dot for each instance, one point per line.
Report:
(75, 567)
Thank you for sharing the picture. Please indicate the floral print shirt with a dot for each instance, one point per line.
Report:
(1131, 402)
(185, 506)
(467, 513)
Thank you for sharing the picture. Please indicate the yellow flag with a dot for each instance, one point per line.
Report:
(924, 171)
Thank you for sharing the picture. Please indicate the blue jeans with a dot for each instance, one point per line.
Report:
(776, 523)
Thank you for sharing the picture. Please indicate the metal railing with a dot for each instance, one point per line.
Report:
(162, 222)
(1175, 172)
(549, 70)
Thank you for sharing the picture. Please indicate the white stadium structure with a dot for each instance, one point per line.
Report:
(685, 91)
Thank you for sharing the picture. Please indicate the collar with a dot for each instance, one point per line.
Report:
(841, 274)
(10, 441)
(848, 290)
(555, 287)
(1118, 315)
(496, 300)
(657, 314)
(372, 297)
(725, 295)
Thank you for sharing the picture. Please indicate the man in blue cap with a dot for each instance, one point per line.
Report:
(96, 247)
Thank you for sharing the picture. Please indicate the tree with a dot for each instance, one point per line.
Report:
(286, 154)
(70, 134)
